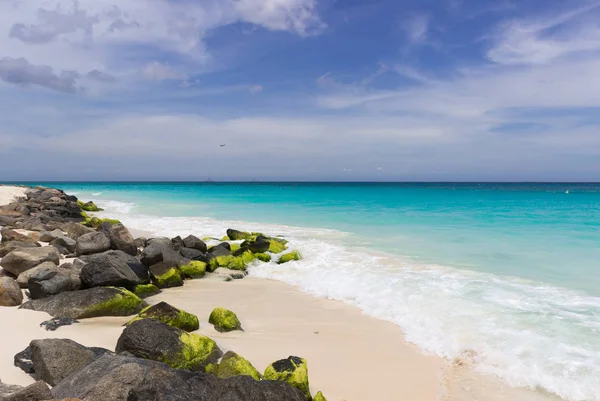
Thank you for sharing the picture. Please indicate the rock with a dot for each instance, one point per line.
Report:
(163, 312)
(99, 301)
(113, 268)
(126, 378)
(151, 339)
(8, 389)
(165, 276)
(153, 252)
(55, 359)
(288, 257)
(319, 397)
(91, 243)
(194, 269)
(48, 282)
(121, 239)
(236, 235)
(261, 245)
(146, 290)
(23, 278)
(229, 274)
(140, 242)
(89, 207)
(177, 243)
(64, 242)
(233, 262)
(38, 391)
(8, 247)
(192, 254)
(10, 292)
(22, 360)
(232, 365)
(292, 370)
(224, 320)
(263, 257)
(23, 259)
(76, 230)
(194, 243)
(55, 323)
(276, 246)
(12, 235)
(49, 236)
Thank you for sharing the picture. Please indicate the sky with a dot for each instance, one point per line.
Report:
(348, 90)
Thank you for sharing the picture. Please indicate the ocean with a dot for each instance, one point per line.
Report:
(507, 275)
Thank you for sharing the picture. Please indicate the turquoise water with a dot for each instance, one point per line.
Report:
(509, 271)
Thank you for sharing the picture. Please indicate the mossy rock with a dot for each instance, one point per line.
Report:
(168, 279)
(288, 257)
(276, 246)
(96, 222)
(89, 206)
(232, 365)
(319, 397)
(235, 247)
(209, 239)
(226, 238)
(146, 290)
(263, 257)
(194, 269)
(236, 235)
(170, 315)
(224, 320)
(292, 370)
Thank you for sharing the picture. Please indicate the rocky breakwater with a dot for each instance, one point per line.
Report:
(74, 265)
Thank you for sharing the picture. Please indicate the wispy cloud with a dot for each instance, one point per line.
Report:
(416, 28)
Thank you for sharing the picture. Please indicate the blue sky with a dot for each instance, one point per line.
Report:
(300, 90)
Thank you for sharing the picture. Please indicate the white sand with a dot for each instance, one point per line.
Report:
(9, 193)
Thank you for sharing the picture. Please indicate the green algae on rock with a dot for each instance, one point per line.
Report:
(194, 269)
(224, 320)
(292, 370)
(236, 235)
(168, 279)
(319, 397)
(288, 257)
(96, 222)
(276, 246)
(145, 290)
(232, 365)
(89, 206)
(263, 257)
(170, 315)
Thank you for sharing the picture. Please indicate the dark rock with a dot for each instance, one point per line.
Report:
(64, 242)
(14, 210)
(22, 259)
(292, 370)
(8, 389)
(153, 252)
(76, 230)
(8, 247)
(55, 359)
(195, 243)
(177, 243)
(8, 221)
(121, 239)
(113, 268)
(49, 236)
(163, 312)
(126, 378)
(23, 278)
(192, 254)
(91, 243)
(23, 361)
(55, 323)
(165, 275)
(12, 235)
(38, 391)
(47, 283)
(236, 235)
(140, 242)
(261, 245)
(152, 339)
(99, 301)
(10, 292)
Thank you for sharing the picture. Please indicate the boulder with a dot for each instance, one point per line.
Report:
(288, 257)
(140, 242)
(8, 247)
(263, 257)
(163, 312)
(8, 389)
(99, 301)
(152, 339)
(261, 245)
(48, 282)
(192, 254)
(91, 243)
(224, 320)
(146, 290)
(89, 206)
(126, 378)
(121, 239)
(292, 370)
(48, 236)
(10, 292)
(229, 274)
(12, 235)
(38, 391)
(177, 243)
(23, 259)
(276, 245)
(113, 268)
(23, 278)
(194, 269)
(55, 323)
(54, 359)
(236, 235)
(165, 276)
(64, 242)
(76, 230)
(194, 243)
(22, 360)
(232, 365)
(153, 252)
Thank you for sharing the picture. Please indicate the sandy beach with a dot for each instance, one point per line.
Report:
(351, 356)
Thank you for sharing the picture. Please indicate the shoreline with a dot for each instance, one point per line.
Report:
(354, 357)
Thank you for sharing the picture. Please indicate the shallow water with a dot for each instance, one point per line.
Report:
(507, 273)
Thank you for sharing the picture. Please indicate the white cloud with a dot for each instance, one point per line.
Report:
(416, 28)
(21, 72)
(160, 72)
